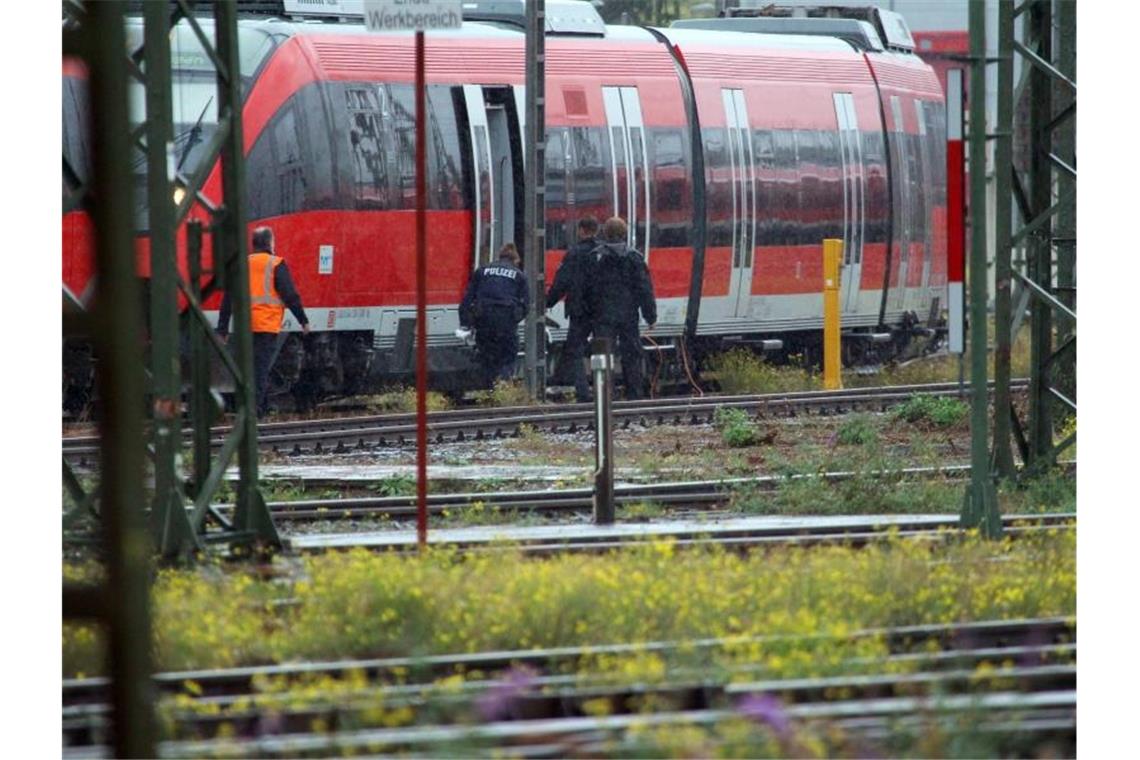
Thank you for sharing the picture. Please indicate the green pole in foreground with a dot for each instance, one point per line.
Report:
(979, 509)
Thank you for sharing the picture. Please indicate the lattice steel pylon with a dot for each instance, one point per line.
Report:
(182, 514)
(1043, 190)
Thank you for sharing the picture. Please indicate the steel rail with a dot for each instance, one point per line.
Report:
(540, 738)
(1044, 632)
(555, 697)
(703, 493)
(355, 433)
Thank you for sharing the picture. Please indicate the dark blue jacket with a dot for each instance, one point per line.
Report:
(621, 286)
(573, 280)
(501, 284)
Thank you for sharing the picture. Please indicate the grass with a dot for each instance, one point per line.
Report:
(859, 430)
(735, 426)
(505, 393)
(403, 400)
(360, 604)
(940, 412)
(742, 371)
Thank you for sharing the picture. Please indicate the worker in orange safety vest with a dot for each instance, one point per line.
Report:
(271, 290)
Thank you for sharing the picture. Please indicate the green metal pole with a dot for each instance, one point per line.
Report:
(1041, 243)
(201, 402)
(251, 513)
(980, 505)
(1066, 232)
(117, 321)
(1003, 169)
(173, 535)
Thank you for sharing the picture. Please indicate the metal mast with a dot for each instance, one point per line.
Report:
(1043, 190)
(181, 507)
(534, 214)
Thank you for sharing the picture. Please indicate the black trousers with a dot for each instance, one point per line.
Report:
(577, 348)
(497, 343)
(629, 349)
(264, 353)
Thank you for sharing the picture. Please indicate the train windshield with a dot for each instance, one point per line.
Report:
(194, 97)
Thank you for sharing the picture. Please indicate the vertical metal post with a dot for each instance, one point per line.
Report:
(201, 401)
(421, 297)
(117, 319)
(534, 254)
(170, 525)
(1003, 246)
(1040, 260)
(979, 508)
(251, 513)
(832, 255)
(601, 363)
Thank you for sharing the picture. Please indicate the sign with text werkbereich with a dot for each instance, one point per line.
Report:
(393, 15)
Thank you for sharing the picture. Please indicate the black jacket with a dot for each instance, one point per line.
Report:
(286, 291)
(621, 286)
(498, 284)
(574, 279)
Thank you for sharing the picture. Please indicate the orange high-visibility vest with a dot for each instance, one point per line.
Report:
(267, 310)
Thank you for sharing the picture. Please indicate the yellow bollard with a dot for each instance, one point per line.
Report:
(832, 254)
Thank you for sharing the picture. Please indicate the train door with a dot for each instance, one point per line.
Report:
(629, 163)
(742, 163)
(903, 203)
(854, 191)
(926, 199)
(495, 150)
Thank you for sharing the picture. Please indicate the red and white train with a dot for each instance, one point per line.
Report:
(732, 156)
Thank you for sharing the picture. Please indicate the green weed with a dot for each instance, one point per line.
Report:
(735, 426)
(858, 431)
(742, 371)
(940, 412)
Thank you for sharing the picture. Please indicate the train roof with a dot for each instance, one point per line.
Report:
(861, 34)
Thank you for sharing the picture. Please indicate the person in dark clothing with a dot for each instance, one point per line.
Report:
(496, 300)
(572, 280)
(271, 290)
(621, 286)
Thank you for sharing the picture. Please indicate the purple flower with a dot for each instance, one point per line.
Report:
(497, 703)
(768, 710)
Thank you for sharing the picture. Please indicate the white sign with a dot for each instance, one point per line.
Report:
(393, 15)
(325, 260)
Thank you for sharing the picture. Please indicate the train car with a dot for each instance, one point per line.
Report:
(731, 155)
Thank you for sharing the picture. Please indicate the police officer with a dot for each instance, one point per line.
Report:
(496, 301)
(621, 286)
(271, 290)
(573, 279)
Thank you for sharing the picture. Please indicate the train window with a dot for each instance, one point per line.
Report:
(787, 201)
(831, 185)
(290, 164)
(877, 197)
(672, 194)
(316, 135)
(718, 173)
(556, 197)
(445, 157)
(402, 123)
(591, 159)
(75, 130)
(369, 147)
(811, 190)
(765, 186)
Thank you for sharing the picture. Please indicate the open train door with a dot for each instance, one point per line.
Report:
(854, 201)
(496, 156)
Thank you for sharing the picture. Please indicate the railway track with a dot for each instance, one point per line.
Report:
(344, 434)
(923, 660)
(737, 533)
(691, 495)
